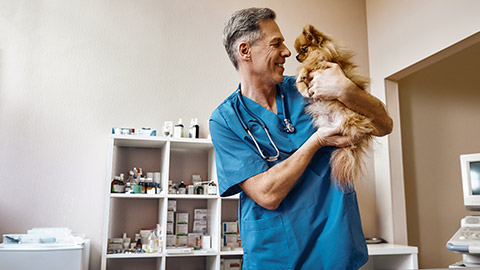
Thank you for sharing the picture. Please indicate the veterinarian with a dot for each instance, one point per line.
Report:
(292, 215)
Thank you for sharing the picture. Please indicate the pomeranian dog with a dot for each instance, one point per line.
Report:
(314, 49)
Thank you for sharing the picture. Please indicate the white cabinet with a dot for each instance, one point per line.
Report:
(177, 160)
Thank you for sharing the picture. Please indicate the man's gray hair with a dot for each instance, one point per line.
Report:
(243, 26)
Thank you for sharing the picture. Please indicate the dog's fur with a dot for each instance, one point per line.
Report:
(314, 49)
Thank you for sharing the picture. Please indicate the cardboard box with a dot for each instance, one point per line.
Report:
(200, 214)
(182, 218)
(181, 229)
(172, 205)
(200, 226)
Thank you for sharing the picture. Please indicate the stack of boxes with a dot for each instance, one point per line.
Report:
(230, 236)
(197, 239)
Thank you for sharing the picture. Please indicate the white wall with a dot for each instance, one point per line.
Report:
(72, 70)
(432, 102)
(400, 34)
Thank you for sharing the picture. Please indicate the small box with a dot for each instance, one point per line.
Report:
(200, 214)
(182, 229)
(232, 264)
(171, 240)
(169, 228)
(146, 132)
(172, 205)
(195, 239)
(200, 226)
(206, 242)
(170, 216)
(229, 239)
(229, 227)
(182, 240)
(182, 218)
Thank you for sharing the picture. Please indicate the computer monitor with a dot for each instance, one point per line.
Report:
(470, 165)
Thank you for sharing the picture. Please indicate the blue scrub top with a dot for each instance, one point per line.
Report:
(317, 225)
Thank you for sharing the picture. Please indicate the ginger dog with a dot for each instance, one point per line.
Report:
(314, 49)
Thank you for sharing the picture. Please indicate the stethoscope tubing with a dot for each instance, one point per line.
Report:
(288, 126)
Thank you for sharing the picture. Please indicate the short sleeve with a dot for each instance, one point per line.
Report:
(236, 161)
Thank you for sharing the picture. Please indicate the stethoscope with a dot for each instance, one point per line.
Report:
(289, 128)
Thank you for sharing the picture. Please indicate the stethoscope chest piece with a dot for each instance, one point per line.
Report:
(289, 128)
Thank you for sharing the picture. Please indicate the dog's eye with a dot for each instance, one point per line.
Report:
(304, 49)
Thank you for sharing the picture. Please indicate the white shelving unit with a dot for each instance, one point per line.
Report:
(178, 159)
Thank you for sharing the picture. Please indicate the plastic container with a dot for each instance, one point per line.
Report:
(44, 256)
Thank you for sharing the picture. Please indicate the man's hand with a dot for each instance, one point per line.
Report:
(332, 84)
(329, 83)
(329, 136)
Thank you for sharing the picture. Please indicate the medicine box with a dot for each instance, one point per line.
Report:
(229, 227)
(182, 240)
(172, 205)
(206, 242)
(229, 239)
(169, 228)
(170, 216)
(182, 218)
(182, 229)
(171, 240)
(194, 239)
(200, 214)
(200, 226)
(232, 264)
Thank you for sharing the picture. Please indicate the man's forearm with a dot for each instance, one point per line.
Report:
(365, 104)
(269, 188)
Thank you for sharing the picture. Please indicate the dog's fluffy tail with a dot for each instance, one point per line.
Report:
(348, 163)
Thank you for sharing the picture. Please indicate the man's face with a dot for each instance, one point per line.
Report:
(268, 54)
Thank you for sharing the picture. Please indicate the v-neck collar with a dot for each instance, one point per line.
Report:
(262, 111)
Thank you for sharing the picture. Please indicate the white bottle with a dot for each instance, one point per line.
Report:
(193, 129)
(178, 129)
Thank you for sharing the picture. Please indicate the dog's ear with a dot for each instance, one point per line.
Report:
(312, 34)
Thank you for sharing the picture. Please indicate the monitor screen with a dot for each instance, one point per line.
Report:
(475, 177)
(470, 165)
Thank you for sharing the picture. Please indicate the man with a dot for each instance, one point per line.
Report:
(292, 215)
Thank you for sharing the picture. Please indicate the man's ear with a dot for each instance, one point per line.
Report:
(244, 49)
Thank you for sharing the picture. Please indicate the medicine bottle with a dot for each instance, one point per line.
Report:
(150, 186)
(118, 186)
(212, 188)
(129, 183)
(193, 129)
(142, 184)
(199, 189)
(182, 189)
(178, 129)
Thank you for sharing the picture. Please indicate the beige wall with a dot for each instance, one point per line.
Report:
(439, 111)
(72, 70)
(401, 34)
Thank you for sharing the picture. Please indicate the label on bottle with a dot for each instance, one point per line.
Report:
(212, 190)
(118, 188)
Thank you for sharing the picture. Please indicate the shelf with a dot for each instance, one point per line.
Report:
(233, 197)
(390, 249)
(232, 252)
(190, 196)
(139, 141)
(190, 144)
(134, 255)
(195, 253)
(137, 196)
